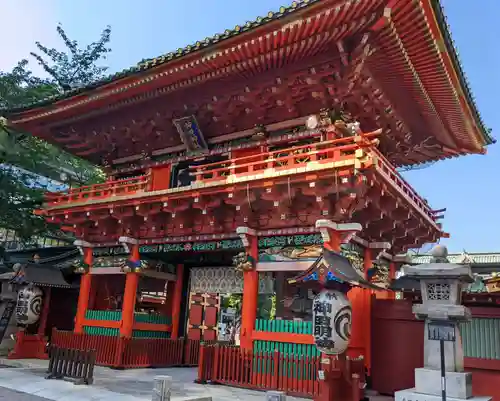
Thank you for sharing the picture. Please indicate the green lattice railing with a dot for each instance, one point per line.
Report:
(284, 326)
(101, 331)
(480, 337)
(150, 334)
(112, 315)
(153, 319)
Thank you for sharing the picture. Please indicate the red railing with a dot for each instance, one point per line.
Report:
(105, 346)
(297, 156)
(293, 374)
(148, 352)
(283, 159)
(124, 353)
(111, 188)
(385, 166)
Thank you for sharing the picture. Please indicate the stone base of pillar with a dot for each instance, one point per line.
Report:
(411, 394)
(275, 396)
(458, 384)
(162, 388)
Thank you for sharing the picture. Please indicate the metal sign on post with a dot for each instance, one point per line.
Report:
(442, 331)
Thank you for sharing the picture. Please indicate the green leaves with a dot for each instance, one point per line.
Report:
(22, 156)
(74, 67)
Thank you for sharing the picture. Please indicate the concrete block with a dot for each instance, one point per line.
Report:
(458, 384)
(412, 395)
(275, 396)
(162, 388)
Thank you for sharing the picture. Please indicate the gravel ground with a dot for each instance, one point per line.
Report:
(11, 395)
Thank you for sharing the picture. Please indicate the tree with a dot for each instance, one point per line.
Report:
(24, 158)
(78, 67)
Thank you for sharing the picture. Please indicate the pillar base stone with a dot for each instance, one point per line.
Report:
(458, 384)
(412, 395)
(162, 388)
(275, 396)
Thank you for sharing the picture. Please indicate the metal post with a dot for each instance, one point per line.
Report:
(443, 371)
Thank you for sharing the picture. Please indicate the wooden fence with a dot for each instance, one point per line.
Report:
(291, 373)
(125, 353)
(133, 352)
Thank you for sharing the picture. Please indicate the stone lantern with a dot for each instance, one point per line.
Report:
(441, 286)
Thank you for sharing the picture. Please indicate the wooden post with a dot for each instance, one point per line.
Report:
(366, 310)
(85, 286)
(45, 313)
(250, 289)
(332, 242)
(177, 301)
(129, 296)
(392, 276)
(333, 366)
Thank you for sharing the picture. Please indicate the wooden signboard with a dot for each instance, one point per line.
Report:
(6, 316)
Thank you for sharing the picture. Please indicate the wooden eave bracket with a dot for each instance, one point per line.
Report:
(244, 233)
(383, 246)
(82, 245)
(346, 230)
(127, 241)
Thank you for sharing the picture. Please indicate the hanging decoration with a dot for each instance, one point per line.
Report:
(244, 262)
(332, 319)
(133, 266)
(29, 305)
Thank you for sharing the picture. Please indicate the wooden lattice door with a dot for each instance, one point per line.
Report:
(203, 316)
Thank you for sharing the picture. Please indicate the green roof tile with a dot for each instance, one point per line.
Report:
(466, 258)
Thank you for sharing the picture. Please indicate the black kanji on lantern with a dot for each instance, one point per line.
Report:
(322, 307)
(322, 326)
(325, 344)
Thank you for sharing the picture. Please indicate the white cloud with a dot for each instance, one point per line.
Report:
(23, 23)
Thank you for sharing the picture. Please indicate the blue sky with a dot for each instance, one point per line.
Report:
(468, 187)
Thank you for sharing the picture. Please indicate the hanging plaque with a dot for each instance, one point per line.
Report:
(332, 317)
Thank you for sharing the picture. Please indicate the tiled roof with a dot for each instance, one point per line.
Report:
(147, 64)
(248, 26)
(469, 258)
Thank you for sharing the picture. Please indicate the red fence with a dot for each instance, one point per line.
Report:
(293, 374)
(125, 353)
(134, 352)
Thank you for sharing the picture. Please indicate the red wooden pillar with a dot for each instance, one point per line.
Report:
(45, 313)
(332, 241)
(333, 366)
(130, 293)
(85, 285)
(177, 301)
(366, 310)
(392, 276)
(250, 288)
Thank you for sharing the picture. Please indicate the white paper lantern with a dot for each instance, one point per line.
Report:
(332, 319)
(29, 305)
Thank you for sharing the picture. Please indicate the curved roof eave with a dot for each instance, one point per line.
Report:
(148, 64)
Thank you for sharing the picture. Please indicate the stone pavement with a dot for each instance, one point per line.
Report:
(123, 385)
(12, 395)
